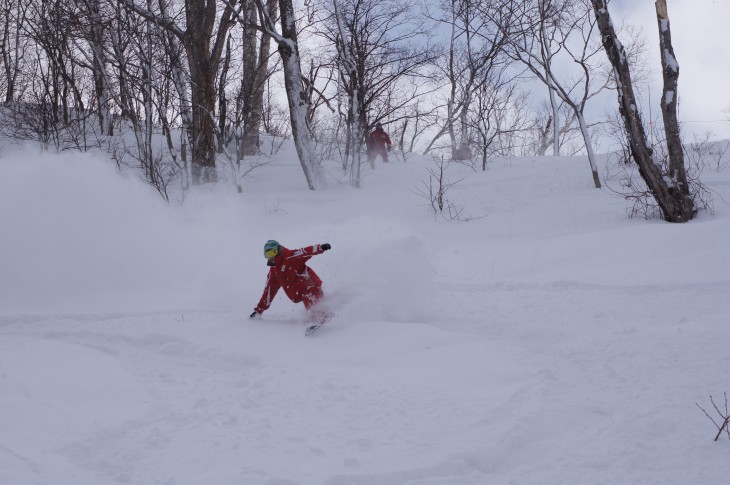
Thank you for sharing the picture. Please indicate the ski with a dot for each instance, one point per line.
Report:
(313, 328)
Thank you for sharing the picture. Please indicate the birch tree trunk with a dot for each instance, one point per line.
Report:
(556, 120)
(670, 71)
(675, 204)
(297, 97)
(589, 148)
(545, 42)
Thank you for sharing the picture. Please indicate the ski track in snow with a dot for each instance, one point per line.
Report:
(204, 390)
(225, 409)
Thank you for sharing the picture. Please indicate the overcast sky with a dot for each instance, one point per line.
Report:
(702, 47)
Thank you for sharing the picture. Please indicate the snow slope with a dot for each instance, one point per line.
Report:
(551, 341)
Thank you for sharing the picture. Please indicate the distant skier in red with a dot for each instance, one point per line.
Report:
(377, 140)
(288, 270)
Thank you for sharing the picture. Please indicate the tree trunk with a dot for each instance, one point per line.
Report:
(544, 40)
(101, 77)
(179, 80)
(674, 204)
(556, 121)
(544, 137)
(464, 119)
(670, 69)
(297, 97)
(354, 134)
(451, 102)
(12, 45)
(589, 149)
(200, 19)
(255, 71)
(202, 90)
(223, 122)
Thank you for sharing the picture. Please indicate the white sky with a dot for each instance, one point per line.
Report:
(699, 36)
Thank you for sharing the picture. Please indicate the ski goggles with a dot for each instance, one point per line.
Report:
(271, 253)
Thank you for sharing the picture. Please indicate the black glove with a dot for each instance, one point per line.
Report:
(326, 246)
(254, 314)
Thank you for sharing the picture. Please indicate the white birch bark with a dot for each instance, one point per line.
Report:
(294, 86)
(670, 73)
(556, 120)
(589, 148)
(551, 88)
(298, 109)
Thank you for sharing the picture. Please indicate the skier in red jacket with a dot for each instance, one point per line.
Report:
(288, 270)
(377, 140)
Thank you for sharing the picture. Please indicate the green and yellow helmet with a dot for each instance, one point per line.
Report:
(271, 248)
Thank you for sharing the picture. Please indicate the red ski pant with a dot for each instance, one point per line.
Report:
(375, 151)
(313, 296)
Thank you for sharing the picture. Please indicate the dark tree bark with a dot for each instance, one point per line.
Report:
(203, 60)
(223, 99)
(12, 44)
(204, 51)
(671, 194)
(255, 57)
(670, 71)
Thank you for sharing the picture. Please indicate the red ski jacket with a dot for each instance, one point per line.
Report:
(378, 139)
(291, 273)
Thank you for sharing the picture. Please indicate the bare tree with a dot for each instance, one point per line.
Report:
(256, 52)
(92, 23)
(379, 61)
(723, 415)
(55, 109)
(413, 126)
(203, 43)
(318, 79)
(499, 119)
(347, 55)
(542, 30)
(669, 189)
(143, 63)
(299, 103)
(475, 59)
(13, 45)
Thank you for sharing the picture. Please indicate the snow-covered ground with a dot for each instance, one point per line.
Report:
(552, 341)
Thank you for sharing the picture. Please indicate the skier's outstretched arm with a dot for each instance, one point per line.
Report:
(301, 255)
(270, 291)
